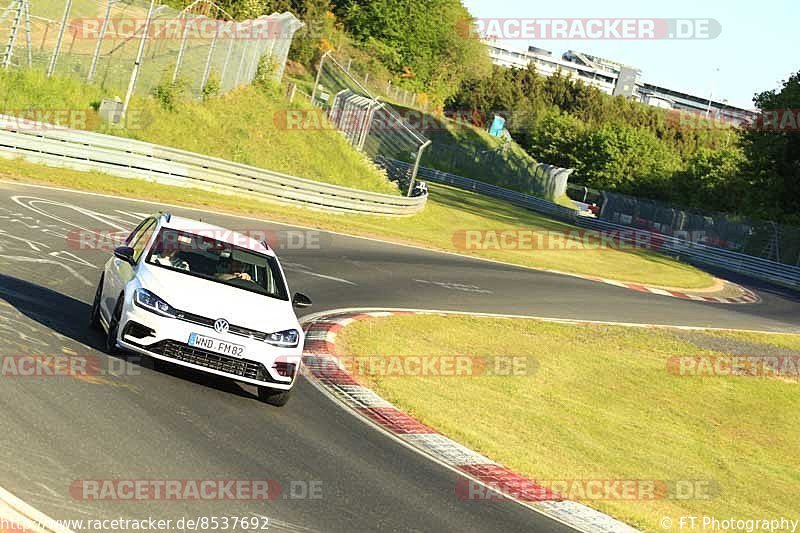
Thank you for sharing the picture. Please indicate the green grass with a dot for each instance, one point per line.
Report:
(602, 405)
(461, 148)
(448, 211)
(245, 126)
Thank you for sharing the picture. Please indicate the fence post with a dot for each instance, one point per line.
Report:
(207, 68)
(13, 36)
(181, 49)
(138, 62)
(416, 167)
(319, 75)
(28, 31)
(54, 58)
(374, 106)
(225, 63)
(242, 54)
(97, 48)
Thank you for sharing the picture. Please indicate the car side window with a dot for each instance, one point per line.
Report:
(141, 239)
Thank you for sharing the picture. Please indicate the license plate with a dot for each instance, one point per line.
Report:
(216, 345)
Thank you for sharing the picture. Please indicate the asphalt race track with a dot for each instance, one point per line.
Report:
(137, 423)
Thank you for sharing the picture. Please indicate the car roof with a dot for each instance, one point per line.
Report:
(219, 233)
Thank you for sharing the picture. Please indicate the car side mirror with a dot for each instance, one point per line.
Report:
(301, 300)
(125, 253)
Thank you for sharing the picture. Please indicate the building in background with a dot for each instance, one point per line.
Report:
(616, 79)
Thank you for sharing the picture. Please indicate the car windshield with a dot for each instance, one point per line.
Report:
(218, 261)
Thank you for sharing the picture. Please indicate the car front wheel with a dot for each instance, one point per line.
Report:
(94, 317)
(113, 328)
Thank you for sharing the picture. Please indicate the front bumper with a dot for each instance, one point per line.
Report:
(166, 338)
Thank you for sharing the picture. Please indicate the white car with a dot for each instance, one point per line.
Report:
(206, 298)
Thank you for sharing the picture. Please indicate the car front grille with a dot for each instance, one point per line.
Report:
(214, 361)
(209, 323)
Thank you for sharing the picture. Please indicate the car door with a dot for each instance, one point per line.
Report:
(118, 272)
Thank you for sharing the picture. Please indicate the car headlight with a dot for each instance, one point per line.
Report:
(147, 300)
(284, 339)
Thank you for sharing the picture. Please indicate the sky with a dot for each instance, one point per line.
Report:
(758, 47)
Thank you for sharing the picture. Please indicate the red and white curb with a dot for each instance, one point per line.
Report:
(323, 369)
(746, 296)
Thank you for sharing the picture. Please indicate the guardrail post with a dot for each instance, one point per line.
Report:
(54, 58)
(416, 167)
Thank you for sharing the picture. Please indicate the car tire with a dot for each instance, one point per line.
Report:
(94, 317)
(275, 397)
(113, 328)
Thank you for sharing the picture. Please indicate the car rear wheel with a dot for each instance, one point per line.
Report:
(94, 318)
(275, 397)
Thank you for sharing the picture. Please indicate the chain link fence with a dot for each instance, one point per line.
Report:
(500, 166)
(136, 44)
(757, 238)
(380, 86)
(371, 125)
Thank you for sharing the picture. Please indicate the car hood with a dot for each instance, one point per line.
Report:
(217, 300)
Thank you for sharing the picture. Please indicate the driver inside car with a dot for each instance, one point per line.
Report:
(237, 270)
(170, 257)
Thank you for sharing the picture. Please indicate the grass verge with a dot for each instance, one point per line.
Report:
(602, 405)
(248, 125)
(449, 211)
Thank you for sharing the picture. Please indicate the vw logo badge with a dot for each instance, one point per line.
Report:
(221, 326)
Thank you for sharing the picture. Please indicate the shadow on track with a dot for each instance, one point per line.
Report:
(67, 317)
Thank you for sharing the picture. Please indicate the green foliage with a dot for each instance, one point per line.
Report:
(614, 143)
(212, 86)
(264, 79)
(310, 39)
(423, 42)
(773, 153)
(169, 93)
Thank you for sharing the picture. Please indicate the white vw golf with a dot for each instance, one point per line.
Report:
(206, 298)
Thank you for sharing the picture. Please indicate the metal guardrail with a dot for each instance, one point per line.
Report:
(87, 151)
(689, 251)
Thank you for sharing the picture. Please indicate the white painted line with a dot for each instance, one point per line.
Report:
(45, 522)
